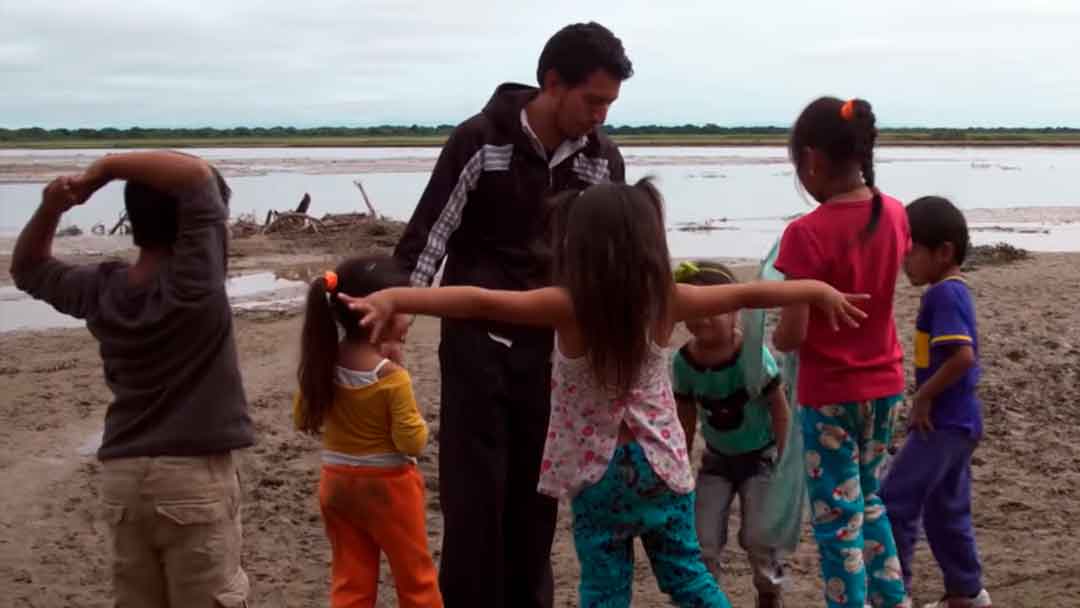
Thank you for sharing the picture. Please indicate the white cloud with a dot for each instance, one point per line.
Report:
(337, 62)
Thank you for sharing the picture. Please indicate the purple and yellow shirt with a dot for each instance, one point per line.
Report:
(947, 319)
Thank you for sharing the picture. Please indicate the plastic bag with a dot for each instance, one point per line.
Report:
(787, 500)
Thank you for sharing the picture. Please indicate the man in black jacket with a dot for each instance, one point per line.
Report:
(483, 208)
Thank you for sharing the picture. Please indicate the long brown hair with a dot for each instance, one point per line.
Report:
(611, 255)
(324, 314)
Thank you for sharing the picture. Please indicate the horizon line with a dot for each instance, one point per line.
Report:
(706, 125)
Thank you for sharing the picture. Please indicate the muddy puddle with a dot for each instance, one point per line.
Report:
(281, 290)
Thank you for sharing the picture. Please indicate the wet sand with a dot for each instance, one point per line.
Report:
(52, 543)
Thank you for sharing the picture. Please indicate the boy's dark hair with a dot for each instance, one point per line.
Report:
(843, 138)
(152, 213)
(324, 312)
(611, 255)
(579, 49)
(934, 221)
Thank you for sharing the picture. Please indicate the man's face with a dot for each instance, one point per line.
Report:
(582, 108)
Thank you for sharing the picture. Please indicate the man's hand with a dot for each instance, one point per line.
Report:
(92, 179)
(60, 195)
(920, 414)
(34, 244)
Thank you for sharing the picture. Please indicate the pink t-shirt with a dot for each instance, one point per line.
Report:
(826, 244)
(584, 427)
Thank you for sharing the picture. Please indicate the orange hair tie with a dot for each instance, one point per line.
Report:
(330, 277)
(847, 111)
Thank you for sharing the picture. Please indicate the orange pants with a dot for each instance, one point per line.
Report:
(368, 510)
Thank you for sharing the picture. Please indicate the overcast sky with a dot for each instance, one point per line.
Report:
(363, 62)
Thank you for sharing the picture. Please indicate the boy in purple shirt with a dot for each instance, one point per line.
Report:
(932, 472)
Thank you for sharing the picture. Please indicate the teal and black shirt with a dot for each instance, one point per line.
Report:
(733, 420)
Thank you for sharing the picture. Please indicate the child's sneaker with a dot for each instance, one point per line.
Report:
(979, 601)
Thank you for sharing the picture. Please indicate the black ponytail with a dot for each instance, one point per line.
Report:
(323, 314)
(318, 356)
(845, 132)
(865, 126)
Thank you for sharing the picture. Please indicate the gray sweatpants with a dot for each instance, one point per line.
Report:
(747, 476)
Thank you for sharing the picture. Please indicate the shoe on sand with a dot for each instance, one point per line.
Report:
(770, 600)
(979, 601)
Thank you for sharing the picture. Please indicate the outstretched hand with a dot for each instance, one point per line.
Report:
(377, 312)
(841, 307)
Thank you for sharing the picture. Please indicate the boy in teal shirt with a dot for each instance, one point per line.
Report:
(744, 434)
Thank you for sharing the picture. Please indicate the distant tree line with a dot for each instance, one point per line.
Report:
(37, 134)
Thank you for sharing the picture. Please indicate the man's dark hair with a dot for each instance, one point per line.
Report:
(578, 50)
(934, 221)
(152, 213)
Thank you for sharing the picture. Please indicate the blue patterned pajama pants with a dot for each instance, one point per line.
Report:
(846, 449)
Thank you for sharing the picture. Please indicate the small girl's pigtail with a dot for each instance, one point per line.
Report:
(318, 353)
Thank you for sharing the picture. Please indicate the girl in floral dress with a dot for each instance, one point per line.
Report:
(615, 447)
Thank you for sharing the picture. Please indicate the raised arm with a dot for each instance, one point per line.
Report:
(697, 301)
(34, 244)
(70, 289)
(549, 306)
(159, 169)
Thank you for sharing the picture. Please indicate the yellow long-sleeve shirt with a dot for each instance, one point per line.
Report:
(379, 418)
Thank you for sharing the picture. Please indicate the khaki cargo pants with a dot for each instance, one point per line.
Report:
(174, 527)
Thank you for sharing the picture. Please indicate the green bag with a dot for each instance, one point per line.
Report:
(787, 501)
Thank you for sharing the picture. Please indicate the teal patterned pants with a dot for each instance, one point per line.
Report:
(845, 450)
(630, 501)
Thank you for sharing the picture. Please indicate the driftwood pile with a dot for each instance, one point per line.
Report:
(122, 226)
(705, 226)
(299, 221)
(287, 223)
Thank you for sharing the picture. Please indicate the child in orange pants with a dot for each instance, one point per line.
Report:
(370, 492)
(368, 510)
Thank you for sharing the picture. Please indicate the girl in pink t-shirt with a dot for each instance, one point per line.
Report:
(849, 383)
(615, 446)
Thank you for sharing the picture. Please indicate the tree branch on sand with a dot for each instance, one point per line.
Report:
(367, 201)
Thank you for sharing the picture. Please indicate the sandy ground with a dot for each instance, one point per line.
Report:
(52, 544)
